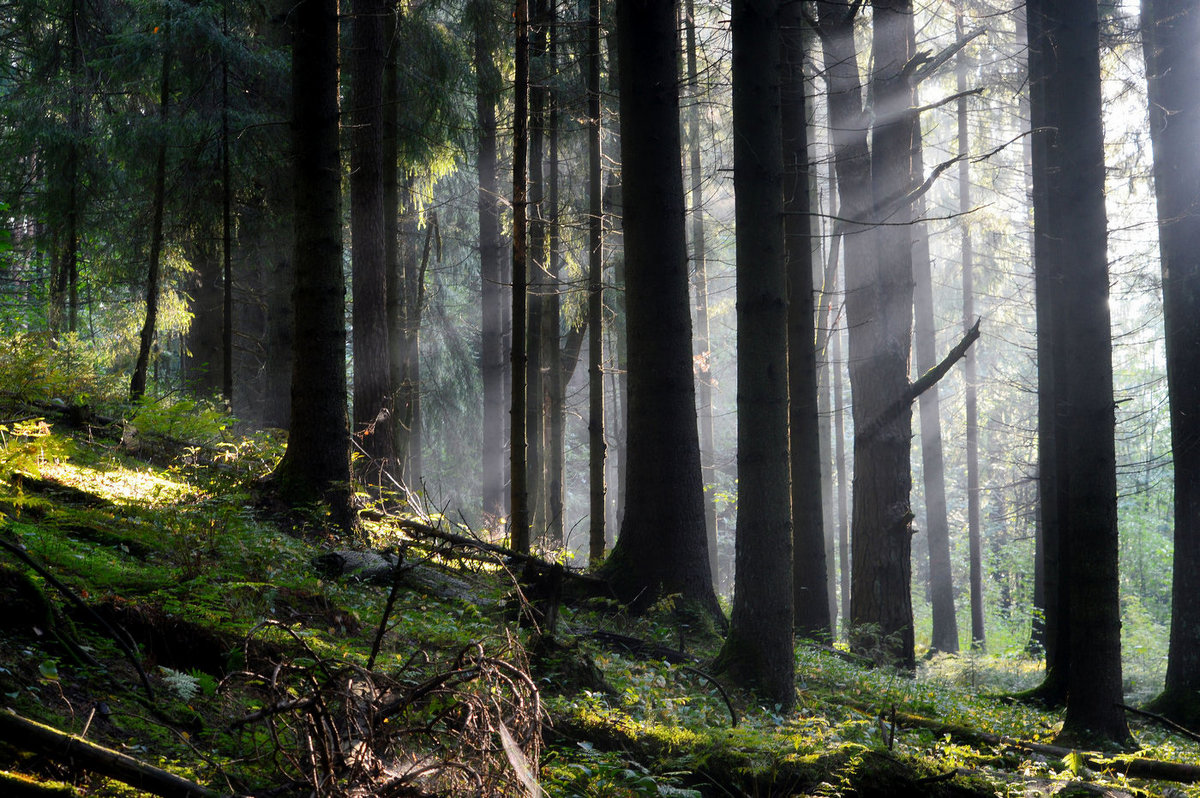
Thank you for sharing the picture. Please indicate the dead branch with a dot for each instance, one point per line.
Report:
(26, 735)
(923, 384)
(18, 552)
(1164, 720)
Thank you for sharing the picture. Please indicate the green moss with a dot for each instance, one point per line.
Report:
(18, 785)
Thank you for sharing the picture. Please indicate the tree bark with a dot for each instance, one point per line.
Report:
(492, 324)
(519, 522)
(374, 410)
(810, 599)
(596, 445)
(1170, 32)
(663, 548)
(702, 335)
(316, 464)
(937, 531)
(137, 385)
(978, 637)
(758, 651)
(1085, 415)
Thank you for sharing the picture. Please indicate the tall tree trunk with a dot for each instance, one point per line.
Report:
(1170, 32)
(839, 465)
(374, 409)
(703, 342)
(557, 370)
(810, 599)
(978, 640)
(1085, 417)
(137, 385)
(596, 445)
(316, 464)
(852, 163)
(873, 185)
(1043, 116)
(758, 651)
(490, 258)
(663, 547)
(519, 522)
(226, 230)
(539, 266)
(1037, 631)
(937, 530)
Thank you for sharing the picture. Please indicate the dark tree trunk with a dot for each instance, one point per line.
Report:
(1043, 117)
(703, 343)
(1171, 31)
(202, 362)
(316, 464)
(852, 163)
(879, 295)
(809, 579)
(373, 392)
(937, 530)
(519, 521)
(663, 548)
(1085, 419)
(558, 364)
(137, 385)
(539, 264)
(491, 266)
(758, 651)
(596, 446)
(226, 230)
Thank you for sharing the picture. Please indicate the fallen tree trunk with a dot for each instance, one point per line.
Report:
(68, 749)
(1133, 767)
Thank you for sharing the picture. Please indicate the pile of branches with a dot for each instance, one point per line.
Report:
(338, 730)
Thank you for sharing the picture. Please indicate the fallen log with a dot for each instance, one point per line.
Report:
(1134, 767)
(71, 750)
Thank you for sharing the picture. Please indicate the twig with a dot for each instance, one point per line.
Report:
(733, 716)
(1170, 724)
(24, 557)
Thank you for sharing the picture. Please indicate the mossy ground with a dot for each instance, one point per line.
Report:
(178, 552)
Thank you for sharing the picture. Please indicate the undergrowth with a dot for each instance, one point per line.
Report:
(241, 641)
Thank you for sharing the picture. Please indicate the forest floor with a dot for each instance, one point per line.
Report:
(196, 640)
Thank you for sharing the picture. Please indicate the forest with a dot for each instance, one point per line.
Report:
(605, 398)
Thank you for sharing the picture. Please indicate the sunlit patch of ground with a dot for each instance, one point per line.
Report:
(120, 484)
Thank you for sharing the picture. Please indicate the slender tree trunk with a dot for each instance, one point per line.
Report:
(558, 371)
(937, 530)
(758, 651)
(839, 464)
(1170, 32)
(1037, 632)
(1043, 115)
(809, 582)
(703, 343)
(978, 640)
(137, 385)
(519, 522)
(491, 300)
(596, 445)
(316, 464)
(373, 390)
(539, 266)
(226, 230)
